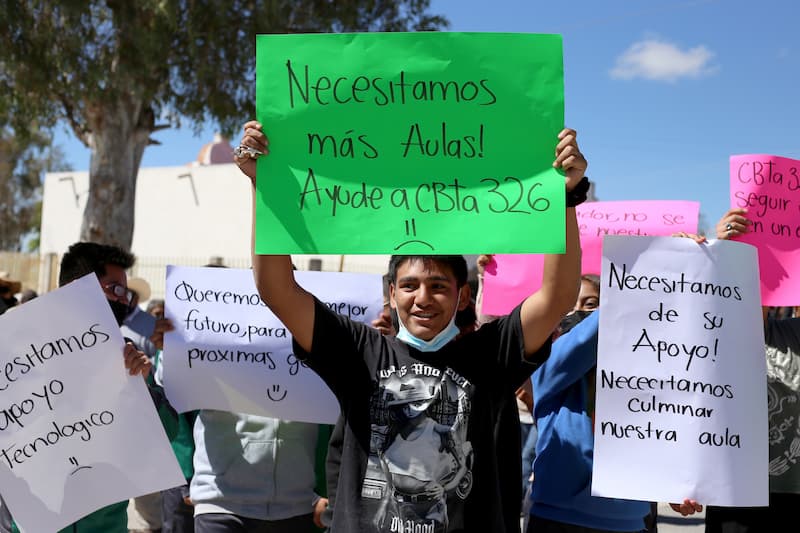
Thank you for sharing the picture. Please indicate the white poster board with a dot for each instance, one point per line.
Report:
(229, 352)
(77, 432)
(681, 374)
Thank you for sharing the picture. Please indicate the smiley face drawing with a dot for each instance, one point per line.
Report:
(274, 394)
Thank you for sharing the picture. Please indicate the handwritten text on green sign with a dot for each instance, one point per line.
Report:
(411, 143)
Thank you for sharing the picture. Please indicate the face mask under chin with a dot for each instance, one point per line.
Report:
(120, 311)
(449, 333)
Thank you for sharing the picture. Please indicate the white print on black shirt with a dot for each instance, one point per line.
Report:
(419, 455)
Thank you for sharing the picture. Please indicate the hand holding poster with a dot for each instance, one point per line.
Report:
(74, 422)
(513, 277)
(769, 188)
(231, 353)
(426, 142)
(681, 374)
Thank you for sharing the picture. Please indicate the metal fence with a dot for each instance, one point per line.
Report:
(28, 268)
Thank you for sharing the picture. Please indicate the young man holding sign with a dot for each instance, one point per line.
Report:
(453, 476)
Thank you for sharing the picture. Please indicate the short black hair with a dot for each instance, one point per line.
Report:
(85, 257)
(457, 264)
(467, 318)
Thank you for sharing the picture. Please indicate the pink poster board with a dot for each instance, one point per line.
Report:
(509, 279)
(769, 188)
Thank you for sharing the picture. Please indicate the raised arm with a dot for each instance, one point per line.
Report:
(542, 311)
(732, 224)
(480, 264)
(274, 274)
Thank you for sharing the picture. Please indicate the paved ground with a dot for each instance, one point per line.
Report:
(671, 522)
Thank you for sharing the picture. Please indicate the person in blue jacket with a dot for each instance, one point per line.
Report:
(563, 389)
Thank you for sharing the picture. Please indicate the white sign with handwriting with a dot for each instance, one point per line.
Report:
(231, 353)
(77, 432)
(681, 373)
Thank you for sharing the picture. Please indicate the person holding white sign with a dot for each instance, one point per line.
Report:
(564, 398)
(782, 350)
(470, 379)
(109, 263)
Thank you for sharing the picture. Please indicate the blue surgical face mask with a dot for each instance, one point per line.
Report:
(442, 338)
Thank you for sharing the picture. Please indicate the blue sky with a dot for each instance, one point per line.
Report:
(661, 92)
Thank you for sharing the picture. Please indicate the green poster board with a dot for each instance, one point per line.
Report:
(412, 143)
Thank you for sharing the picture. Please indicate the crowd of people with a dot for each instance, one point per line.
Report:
(451, 420)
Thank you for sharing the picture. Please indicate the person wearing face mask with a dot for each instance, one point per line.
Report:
(472, 376)
(564, 399)
(109, 264)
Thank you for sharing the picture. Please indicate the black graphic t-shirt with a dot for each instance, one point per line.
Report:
(429, 441)
(783, 401)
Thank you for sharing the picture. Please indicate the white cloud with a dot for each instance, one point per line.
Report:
(662, 61)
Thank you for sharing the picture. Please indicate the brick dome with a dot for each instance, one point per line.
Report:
(217, 152)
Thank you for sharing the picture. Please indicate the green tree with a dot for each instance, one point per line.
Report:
(113, 68)
(23, 161)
